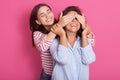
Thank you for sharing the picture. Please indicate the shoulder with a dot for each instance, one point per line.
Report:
(38, 34)
(56, 40)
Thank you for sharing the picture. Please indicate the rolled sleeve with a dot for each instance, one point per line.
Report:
(59, 53)
(88, 55)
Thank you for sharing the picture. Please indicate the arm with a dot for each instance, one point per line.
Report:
(85, 32)
(88, 55)
(82, 20)
(50, 36)
(42, 41)
(59, 47)
(58, 30)
(59, 52)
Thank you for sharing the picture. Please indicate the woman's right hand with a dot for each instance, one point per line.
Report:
(64, 20)
(58, 30)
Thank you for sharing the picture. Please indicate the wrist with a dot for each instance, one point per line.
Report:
(62, 34)
(84, 35)
(84, 25)
(58, 24)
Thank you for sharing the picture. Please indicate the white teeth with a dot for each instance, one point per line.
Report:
(48, 20)
(73, 25)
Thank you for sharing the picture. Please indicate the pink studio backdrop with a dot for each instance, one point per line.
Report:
(20, 61)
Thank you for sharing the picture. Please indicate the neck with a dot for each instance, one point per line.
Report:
(71, 36)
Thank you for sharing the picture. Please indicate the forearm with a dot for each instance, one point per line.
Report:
(50, 36)
(85, 33)
(63, 40)
(84, 40)
(40, 41)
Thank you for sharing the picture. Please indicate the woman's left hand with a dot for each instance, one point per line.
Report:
(82, 20)
(86, 31)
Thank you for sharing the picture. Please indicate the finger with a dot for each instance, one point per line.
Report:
(52, 30)
(69, 17)
(66, 21)
(93, 35)
(78, 15)
(90, 36)
(83, 14)
(61, 14)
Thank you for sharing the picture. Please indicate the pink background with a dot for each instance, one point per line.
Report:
(20, 61)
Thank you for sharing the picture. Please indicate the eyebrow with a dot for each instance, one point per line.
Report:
(43, 12)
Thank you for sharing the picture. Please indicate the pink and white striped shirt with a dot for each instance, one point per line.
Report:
(43, 46)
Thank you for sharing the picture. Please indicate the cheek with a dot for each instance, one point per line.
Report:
(79, 26)
(42, 20)
(52, 15)
(68, 28)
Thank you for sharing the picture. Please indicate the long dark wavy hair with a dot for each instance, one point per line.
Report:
(32, 21)
(76, 9)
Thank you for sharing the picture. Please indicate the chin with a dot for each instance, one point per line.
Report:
(51, 23)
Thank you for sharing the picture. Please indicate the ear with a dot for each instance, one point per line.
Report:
(38, 22)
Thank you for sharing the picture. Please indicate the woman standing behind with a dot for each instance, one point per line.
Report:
(72, 51)
(41, 21)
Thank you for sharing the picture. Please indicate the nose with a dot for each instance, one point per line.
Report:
(47, 15)
(74, 20)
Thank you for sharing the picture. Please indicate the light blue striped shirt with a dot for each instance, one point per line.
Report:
(71, 63)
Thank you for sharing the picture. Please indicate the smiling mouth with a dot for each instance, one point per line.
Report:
(74, 26)
(49, 20)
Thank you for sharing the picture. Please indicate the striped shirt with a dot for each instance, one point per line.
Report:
(43, 46)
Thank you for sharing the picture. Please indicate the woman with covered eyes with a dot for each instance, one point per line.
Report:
(72, 50)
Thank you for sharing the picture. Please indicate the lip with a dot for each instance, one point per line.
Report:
(49, 20)
(73, 25)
